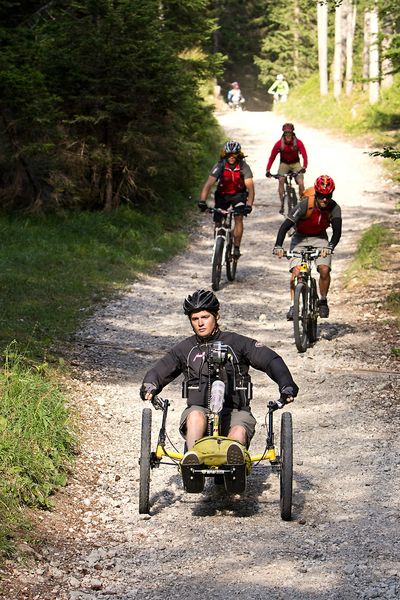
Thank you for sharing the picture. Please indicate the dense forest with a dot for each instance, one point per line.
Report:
(103, 102)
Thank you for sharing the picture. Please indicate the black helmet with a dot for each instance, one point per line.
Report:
(201, 300)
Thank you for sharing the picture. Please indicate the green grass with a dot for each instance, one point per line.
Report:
(55, 268)
(36, 441)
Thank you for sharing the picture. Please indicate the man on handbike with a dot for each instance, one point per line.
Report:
(192, 357)
(310, 219)
(235, 188)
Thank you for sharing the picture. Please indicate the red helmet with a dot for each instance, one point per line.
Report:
(288, 127)
(324, 185)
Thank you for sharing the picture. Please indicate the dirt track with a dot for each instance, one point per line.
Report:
(343, 542)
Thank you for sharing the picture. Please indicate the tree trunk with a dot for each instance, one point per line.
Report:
(350, 28)
(374, 57)
(108, 195)
(387, 66)
(296, 40)
(337, 58)
(365, 55)
(322, 26)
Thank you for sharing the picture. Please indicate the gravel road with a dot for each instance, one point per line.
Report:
(344, 539)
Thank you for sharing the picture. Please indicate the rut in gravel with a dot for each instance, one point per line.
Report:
(343, 541)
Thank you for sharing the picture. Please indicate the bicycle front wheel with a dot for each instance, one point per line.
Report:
(145, 451)
(313, 312)
(292, 198)
(230, 261)
(286, 474)
(217, 263)
(300, 317)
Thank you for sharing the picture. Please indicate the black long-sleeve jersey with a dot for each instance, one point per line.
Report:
(191, 358)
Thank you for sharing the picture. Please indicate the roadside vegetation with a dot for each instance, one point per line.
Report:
(56, 269)
(352, 116)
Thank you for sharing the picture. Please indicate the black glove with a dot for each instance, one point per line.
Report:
(268, 174)
(286, 393)
(147, 388)
(202, 205)
(247, 209)
(302, 170)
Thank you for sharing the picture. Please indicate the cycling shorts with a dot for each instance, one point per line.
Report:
(225, 201)
(299, 242)
(284, 168)
(230, 417)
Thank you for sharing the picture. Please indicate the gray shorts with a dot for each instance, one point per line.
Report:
(299, 242)
(229, 418)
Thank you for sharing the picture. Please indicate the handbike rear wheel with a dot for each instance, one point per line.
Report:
(145, 451)
(300, 317)
(230, 261)
(286, 473)
(217, 263)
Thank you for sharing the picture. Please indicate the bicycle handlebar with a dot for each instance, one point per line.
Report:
(315, 253)
(287, 175)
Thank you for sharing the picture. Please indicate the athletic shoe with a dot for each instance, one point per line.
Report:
(236, 253)
(235, 481)
(289, 314)
(193, 481)
(323, 309)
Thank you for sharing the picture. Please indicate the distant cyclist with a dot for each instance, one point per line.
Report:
(235, 188)
(288, 147)
(311, 218)
(279, 89)
(234, 96)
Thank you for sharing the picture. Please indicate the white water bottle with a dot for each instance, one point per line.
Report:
(217, 396)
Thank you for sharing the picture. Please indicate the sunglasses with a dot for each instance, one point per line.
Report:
(234, 154)
(321, 198)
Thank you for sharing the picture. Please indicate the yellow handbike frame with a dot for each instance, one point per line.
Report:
(212, 451)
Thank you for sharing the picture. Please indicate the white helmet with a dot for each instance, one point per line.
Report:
(280, 77)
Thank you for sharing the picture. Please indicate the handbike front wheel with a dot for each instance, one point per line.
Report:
(217, 263)
(145, 451)
(231, 262)
(286, 473)
(300, 317)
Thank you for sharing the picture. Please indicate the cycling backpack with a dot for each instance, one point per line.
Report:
(295, 146)
(309, 193)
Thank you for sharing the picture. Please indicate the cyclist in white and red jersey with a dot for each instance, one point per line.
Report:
(235, 188)
(289, 147)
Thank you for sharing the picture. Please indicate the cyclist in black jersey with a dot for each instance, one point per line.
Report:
(192, 357)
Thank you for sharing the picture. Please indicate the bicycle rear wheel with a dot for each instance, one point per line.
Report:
(286, 473)
(145, 451)
(300, 317)
(230, 261)
(217, 263)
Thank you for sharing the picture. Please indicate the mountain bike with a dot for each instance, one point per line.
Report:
(223, 245)
(305, 312)
(289, 196)
(212, 450)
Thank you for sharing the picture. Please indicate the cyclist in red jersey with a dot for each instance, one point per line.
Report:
(310, 219)
(235, 188)
(289, 147)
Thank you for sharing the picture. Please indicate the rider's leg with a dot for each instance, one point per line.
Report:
(196, 425)
(324, 280)
(300, 183)
(238, 231)
(238, 433)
